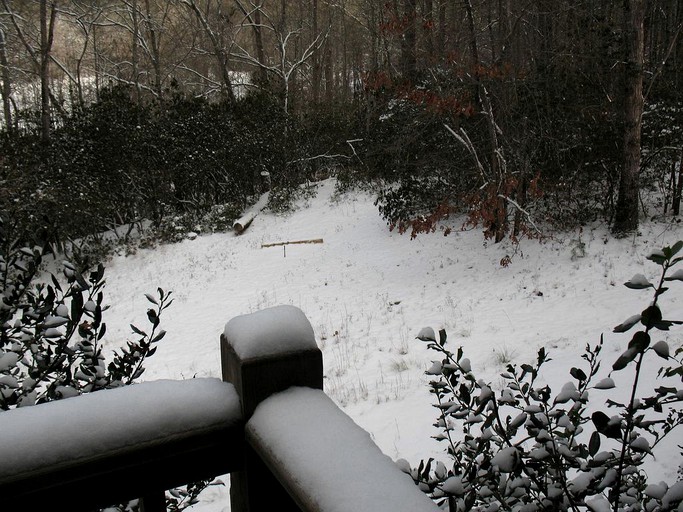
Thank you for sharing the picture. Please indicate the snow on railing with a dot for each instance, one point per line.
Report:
(297, 452)
(118, 444)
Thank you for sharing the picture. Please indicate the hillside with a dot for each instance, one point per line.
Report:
(367, 293)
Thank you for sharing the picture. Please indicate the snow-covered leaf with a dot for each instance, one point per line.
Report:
(453, 486)
(568, 392)
(606, 383)
(598, 504)
(673, 495)
(661, 348)
(628, 323)
(657, 256)
(625, 358)
(640, 444)
(507, 459)
(426, 334)
(434, 369)
(676, 276)
(656, 491)
(638, 282)
(54, 321)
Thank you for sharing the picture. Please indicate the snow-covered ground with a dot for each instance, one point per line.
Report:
(368, 292)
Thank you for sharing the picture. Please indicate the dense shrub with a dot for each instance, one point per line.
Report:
(51, 333)
(528, 448)
(118, 161)
(51, 336)
(567, 147)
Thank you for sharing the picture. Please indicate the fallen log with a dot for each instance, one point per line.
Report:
(250, 214)
(293, 242)
(243, 222)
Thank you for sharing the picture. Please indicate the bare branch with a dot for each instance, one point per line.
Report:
(522, 210)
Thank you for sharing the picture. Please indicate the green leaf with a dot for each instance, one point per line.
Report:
(151, 299)
(442, 337)
(675, 248)
(103, 330)
(594, 443)
(602, 425)
(663, 325)
(657, 257)
(578, 374)
(55, 283)
(152, 317)
(81, 282)
(650, 316)
(76, 306)
(541, 356)
(158, 337)
(640, 341)
(138, 331)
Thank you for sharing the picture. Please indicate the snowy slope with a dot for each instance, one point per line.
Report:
(367, 292)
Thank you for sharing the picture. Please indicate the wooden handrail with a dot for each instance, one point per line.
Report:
(80, 453)
(272, 366)
(324, 460)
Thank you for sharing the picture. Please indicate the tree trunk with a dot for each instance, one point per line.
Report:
(409, 40)
(96, 61)
(315, 78)
(428, 30)
(6, 84)
(499, 225)
(626, 215)
(261, 73)
(46, 38)
(135, 54)
(677, 185)
(441, 39)
(155, 50)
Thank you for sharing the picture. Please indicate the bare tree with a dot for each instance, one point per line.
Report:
(219, 39)
(287, 62)
(40, 53)
(47, 27)
(6, 89)
(86, 17)
(626, 215)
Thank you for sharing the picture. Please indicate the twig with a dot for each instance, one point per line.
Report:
(526, 213)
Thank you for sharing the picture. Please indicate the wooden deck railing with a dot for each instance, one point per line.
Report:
(286, 444)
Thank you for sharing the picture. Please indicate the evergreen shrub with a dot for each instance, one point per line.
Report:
(527, 447)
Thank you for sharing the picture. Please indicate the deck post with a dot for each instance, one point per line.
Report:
(153, 502)
(264, 353)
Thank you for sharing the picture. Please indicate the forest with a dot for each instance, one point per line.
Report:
(526, 116)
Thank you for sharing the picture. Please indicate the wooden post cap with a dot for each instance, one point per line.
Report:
(269, 351)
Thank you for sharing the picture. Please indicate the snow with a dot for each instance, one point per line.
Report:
(111, 421)
(268, 332)
(333, 463)
(368, 292)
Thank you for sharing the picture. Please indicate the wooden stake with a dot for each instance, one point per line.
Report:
(311, 241)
